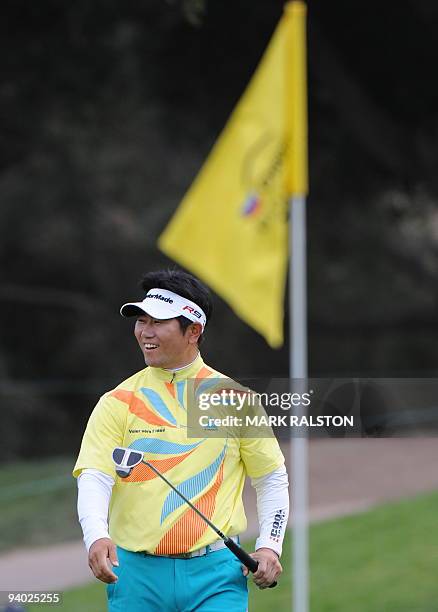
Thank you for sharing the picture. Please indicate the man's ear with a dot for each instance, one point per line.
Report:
(195, 330)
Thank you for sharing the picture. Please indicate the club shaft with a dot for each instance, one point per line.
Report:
(251, 563)
(198, 512)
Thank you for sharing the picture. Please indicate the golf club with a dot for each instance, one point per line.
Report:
(126, 459)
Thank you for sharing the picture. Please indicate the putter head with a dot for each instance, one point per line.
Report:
(123, 472)
(125, 459)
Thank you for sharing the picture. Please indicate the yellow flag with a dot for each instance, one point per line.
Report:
(231, 227)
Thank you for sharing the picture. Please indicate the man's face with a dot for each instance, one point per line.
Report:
(163, 343)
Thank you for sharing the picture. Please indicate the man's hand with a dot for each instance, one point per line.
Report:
(101, 556)
(268, 570)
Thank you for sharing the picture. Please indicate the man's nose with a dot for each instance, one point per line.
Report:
(147, 330)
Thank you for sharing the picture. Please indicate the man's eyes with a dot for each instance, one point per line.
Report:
(154, 321)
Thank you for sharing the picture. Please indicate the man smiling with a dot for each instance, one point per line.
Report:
(165, 343)
(156, 554)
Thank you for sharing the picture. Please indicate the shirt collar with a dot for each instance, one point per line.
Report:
(188, 371)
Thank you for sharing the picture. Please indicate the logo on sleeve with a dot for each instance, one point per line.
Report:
(278, 525)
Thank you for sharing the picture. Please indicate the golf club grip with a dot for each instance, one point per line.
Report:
(251, 563)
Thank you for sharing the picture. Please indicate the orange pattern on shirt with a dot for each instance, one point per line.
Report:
(139, 408)
(142, 472)
(190, 527)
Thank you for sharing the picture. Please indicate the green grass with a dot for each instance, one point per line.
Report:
(384, 560)
(38, 503)
(91, 598)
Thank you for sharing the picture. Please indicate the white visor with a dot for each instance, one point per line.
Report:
(163, 304)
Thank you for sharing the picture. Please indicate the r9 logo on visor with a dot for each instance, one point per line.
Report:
(193, 311)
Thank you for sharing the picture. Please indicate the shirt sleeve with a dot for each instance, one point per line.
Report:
(94, 494)
(105, 430)
(260, 455)
(272, 508)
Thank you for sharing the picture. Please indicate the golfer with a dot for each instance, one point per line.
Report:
(154, 552)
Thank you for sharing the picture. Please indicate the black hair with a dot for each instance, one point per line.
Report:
(184, 284)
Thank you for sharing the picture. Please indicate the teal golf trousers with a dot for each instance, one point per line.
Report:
(147, 583)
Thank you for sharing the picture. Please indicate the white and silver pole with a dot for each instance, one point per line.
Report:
(298, 374)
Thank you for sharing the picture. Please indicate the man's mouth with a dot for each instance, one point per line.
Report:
(149, 346)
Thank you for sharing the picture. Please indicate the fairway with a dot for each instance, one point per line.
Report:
(383, 560)
(38, 503)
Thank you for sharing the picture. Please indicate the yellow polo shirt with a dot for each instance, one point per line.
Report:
(147, 412)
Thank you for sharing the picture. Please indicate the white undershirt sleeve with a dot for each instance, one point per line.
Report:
(94, 494)
(272, 508)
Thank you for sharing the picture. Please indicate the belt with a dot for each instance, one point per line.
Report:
(205, 550)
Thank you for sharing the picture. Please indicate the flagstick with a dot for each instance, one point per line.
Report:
(298, 370)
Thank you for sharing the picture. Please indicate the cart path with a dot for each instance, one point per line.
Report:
(346, 476)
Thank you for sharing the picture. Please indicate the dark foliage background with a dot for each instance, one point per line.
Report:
(108, 110)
